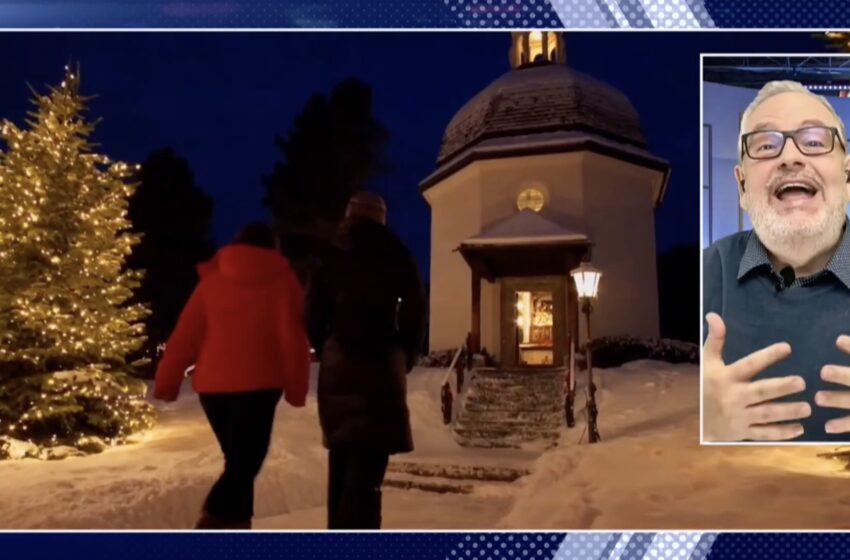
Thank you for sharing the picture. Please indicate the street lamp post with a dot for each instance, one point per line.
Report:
(586, 278)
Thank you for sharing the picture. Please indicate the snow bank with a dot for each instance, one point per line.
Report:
(649, 471)
(161, 481)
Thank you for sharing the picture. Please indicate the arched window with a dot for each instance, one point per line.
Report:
(535, 46)
(520, 52)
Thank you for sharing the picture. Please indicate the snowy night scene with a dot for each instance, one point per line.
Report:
(527, 262)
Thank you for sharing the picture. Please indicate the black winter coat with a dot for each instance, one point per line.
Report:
(365, 318)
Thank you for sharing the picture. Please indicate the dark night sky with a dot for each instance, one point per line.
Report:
(219, 99)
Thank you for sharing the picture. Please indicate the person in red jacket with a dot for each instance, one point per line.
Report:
(243, 329)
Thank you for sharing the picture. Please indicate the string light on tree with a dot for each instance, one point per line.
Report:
(64, 291)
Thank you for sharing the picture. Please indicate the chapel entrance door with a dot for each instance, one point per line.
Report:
(534, 322)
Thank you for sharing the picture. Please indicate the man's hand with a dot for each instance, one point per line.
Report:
(836, 399)
(735, 407)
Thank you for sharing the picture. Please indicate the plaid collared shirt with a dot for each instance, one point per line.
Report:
(756, 258)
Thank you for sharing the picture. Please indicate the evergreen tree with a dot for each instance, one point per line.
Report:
(334, 148)
(174, 216)
(63, 242)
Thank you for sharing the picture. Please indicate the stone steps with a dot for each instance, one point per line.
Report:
(509, 409)
(511, 401)
(436, 485)
(521, 372)
(448, 479)
(512, 417)
(520, 392)
(460, 472)
(550, 423)
(519, 380)
(508, 433)
(501, 443)
(504, 409)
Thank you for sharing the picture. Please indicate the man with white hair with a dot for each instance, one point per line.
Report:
(782, 290)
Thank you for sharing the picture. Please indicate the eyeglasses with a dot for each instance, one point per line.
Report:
(811, 141)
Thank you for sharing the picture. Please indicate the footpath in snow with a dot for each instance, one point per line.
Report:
(649, 472)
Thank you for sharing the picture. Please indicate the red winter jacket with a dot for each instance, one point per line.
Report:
(243, 328)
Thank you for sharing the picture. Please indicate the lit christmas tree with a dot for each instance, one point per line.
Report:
(65, 326)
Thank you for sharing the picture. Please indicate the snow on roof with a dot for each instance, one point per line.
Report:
(558, 138)
(546, 142)
(542, 97)
(524, 227)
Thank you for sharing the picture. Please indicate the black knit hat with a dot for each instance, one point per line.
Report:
(368, 205)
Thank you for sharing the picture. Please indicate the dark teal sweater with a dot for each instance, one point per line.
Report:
(757, 314)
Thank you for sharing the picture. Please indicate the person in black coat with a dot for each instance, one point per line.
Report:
(365, 319)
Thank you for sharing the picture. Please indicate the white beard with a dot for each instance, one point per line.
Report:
(781, 234)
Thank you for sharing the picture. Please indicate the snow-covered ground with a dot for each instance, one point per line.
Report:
(648, 472)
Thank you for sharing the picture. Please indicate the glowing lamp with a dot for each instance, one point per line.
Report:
(586, 278)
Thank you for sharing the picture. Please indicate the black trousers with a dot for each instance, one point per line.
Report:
(242, 423)
(355, 476)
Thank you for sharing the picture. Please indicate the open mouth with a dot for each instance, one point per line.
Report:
(795, 190)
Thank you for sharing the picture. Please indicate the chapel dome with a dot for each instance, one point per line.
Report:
(542, 96)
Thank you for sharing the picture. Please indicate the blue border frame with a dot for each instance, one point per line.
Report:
(431, 14)
(420, 14)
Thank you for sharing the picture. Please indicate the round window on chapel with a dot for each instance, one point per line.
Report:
(531, 199)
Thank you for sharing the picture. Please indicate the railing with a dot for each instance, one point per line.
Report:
(570, 387)
(461, 362)
(590, 410)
